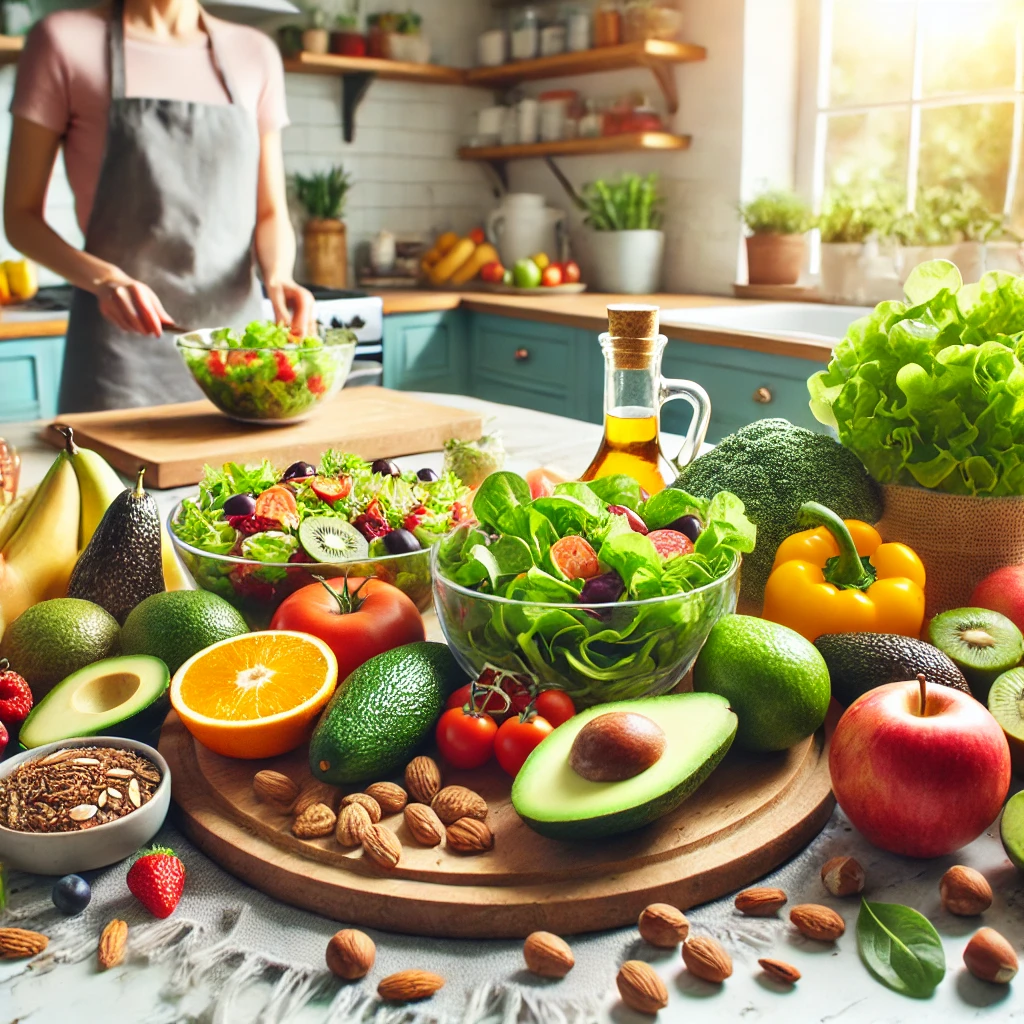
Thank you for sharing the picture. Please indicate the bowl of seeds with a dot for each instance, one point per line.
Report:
(80, 803)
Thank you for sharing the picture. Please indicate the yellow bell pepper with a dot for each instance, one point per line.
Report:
(21, 279)
(841, 578)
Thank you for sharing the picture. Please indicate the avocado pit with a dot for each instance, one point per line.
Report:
(616, 746)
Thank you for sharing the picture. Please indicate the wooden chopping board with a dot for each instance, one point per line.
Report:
(174, 442)
(752, 814)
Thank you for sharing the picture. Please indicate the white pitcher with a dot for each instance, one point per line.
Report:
(522, 226)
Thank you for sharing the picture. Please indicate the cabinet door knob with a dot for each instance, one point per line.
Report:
(762, 396)
(521, 355)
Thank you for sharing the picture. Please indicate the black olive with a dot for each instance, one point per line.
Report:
(385, 467)
(688, 526)
(297, 470)
(427, 475)
(602, 589)
(401, 542)
(240, 505)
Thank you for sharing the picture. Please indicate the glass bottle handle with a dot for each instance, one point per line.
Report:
(699, 422)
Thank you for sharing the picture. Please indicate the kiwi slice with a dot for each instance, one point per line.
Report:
(1006, 702)
(983, 644)
(330, 539)
(1011, 830)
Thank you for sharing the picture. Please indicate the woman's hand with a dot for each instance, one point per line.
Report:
(131, 305)
(293, 305)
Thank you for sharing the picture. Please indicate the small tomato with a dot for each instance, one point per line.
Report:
(516, 739)
(556, 706)
(278, 503)
(465, 739)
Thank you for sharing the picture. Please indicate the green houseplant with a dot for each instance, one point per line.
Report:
(849, 225)
(777, 221)
(322, 195)
(625, 241)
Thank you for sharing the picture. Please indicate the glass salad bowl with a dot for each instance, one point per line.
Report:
(257, 588)
(595, 652)
(264, 374)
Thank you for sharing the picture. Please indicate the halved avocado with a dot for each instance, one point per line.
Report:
(557, 802)
(114, 697)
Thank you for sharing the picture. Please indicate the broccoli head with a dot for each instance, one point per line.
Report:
(774, 467)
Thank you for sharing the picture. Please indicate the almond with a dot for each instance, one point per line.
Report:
(965, 892)
(707, 959)
(315, 792)
(275, 789)
(424, 824)
(422, 779)
(663, 925)
(315, 821)
(353, 821)
(391, 797)
(842, 876)
(780, 971)
(350, 954)
(18, 943)
(454, 802)
(110, 951)
(817, 922)
(408, 986)
(641, 988)
(382, 846)
(990, 957)
(469, 835)
(371, 806)
(760, 902)
(548, 955)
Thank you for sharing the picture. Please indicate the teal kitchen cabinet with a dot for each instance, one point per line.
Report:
(30, 375)
(426, 352)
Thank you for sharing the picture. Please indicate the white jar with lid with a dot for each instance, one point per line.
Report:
(577, 36)
(525, 34)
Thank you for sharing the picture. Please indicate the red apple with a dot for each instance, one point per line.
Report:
(920, 770)
(1002, 591)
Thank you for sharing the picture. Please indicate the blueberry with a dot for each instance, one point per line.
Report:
(427, 475)
(689, 526)
(385, 467)
(240, 505)
(71, 894)
(401, 542)
(298, 470)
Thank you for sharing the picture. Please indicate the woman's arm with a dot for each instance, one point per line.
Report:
(275, 241)
(130, 304)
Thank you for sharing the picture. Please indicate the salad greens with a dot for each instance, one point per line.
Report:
(930, 392)
(265, 372)
(600, 649)
(471, 461)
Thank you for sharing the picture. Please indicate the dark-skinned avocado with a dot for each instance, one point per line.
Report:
(124, 696)
(122, 564)
(616, 792)
(858, 662)
(382, 713)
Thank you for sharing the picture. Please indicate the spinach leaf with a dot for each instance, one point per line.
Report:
(566, 515)
(585, 495)
(627, 553)
(668, 505)
(497, 494)
(618, 489)
(900, 948)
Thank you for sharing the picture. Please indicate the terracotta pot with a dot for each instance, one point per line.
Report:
(316, 40)
(775, 259)
(326, 253)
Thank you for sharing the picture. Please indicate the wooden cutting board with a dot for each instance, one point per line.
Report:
(174, 442)
(752, 814)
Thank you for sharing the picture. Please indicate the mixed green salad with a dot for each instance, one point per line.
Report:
(265, 372)
(572, 564)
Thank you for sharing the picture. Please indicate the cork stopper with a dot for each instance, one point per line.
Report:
(633, 331)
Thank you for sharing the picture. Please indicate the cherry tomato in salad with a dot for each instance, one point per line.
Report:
(669, 543)
(543, 481)
(556, 706)
(285, 370)
(415, 517)
(466, 740)
(517, 738)
(316, 385)
(331, 489)
(575, 558)
(278, 503)
(371, 522)
(216, 364)
(460, 513)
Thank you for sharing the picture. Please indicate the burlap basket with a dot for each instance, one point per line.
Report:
(960, 539)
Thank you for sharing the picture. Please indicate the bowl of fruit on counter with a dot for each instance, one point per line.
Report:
(255, 534)
(265, 374)
(596, 589)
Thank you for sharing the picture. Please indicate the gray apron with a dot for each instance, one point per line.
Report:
(175, 208)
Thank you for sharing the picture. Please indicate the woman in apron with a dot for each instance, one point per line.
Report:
(170, 123)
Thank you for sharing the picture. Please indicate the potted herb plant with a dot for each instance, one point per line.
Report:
(406, 42)
(776, 247)
(346, 39)
(1003, 250)
(625, 242)
(316, 38)
(322, 195)
(848, 228)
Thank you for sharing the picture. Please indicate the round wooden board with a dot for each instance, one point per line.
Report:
(752, 814)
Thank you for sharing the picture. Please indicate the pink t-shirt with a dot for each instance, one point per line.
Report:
(64, 83)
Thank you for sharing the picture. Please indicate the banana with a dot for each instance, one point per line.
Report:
(12, 515)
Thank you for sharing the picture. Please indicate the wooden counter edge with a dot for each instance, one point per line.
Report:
(19, 330)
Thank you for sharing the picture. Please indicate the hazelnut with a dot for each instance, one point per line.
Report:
(990, 957)
(965, 892)
(843, 876)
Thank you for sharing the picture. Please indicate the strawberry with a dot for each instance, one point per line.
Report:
(156, 880)
(4, 738)
(15, 696)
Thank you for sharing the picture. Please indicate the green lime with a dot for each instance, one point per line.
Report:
(526, 274)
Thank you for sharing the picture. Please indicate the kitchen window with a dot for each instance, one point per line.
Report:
(902, 94)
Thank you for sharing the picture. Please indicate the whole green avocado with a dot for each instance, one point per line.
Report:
(773, 467)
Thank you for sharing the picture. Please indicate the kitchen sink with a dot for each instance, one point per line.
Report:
(783, 319)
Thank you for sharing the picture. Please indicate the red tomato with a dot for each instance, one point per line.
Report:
(278, 503)
(331, 489)
(516, 739)
(575, 558)
(477, 236)
(570, 272)
(551, 276)
(669, 543)
(492, 272)
(556, 706)
(485, 701)
(542, 481)
(285, 370)
(465, 740)
(382, 617)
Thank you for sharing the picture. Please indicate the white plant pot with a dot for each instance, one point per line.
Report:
(968, 256)
(628, 262)
(1008, 256)
(846, 271)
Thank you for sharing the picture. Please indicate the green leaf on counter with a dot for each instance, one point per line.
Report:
(900, 948)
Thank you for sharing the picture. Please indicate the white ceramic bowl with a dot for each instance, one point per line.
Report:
(65, 853)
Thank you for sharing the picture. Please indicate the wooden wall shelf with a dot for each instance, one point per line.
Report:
(626, 143)
(10, 49)
(393, 70)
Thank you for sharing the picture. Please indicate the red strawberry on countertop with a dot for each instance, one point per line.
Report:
(15, 696)
(156, 880)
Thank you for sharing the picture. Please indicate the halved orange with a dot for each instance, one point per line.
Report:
(255, 695)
